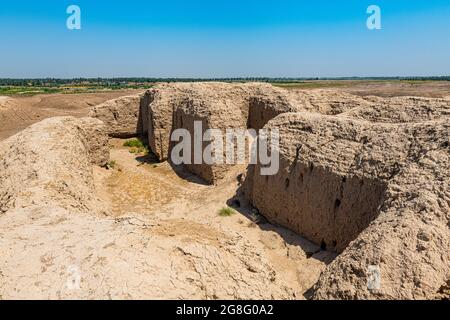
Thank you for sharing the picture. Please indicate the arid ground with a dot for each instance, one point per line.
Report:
(18, 112)
(84, 216)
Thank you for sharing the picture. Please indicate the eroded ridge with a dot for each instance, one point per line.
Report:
(366, 177)
(59, 241)
(352, 187)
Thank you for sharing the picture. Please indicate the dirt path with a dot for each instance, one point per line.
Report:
(180, 207)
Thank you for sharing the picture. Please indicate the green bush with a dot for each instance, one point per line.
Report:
(137, 146)
(226, 212)
(134, 143)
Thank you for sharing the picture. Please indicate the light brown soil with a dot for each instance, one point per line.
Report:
(17, 113)
(433, 89)
(157, 232)
(55, 230)
(188, 210)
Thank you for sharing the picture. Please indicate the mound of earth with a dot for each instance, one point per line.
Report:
(168, 107)
(171, 103)
(121, 116)
(350, 186)
(60, 241)
(51, 160)
(365, 177)
(19, 112)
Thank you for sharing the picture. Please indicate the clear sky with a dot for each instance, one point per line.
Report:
(224, 38)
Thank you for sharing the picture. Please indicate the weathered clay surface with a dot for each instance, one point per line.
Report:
(268, 104)
(401, 109)
(227, 106)
(218, 105)
(222, 106)
(351, 186)
(122, 116)
(59, 242)
(366, 177)
(49, 160)
(165, 100)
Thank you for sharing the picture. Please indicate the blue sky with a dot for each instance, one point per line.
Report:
(224, 38)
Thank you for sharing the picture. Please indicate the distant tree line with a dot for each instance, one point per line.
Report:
(117, 82)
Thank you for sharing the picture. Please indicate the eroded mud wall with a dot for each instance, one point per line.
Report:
(375, 192)
(123, 116)
(325, 207)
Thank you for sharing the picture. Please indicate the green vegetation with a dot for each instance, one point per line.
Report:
(87, 85)
(137, 146)
(111, 164)
(137, 143)
(12, 87)
(10, 91)
(226, 212)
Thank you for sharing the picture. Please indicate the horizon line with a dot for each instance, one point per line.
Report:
(236, 78)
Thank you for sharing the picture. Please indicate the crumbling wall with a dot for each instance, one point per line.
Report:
(368, 180)
(326, 208)
(157, 112)
(53, 229)
(163, 100)
(317, 192)
(52, 160)
(410, 240)
(329, 102)
(123, 116)
(352, 187)
(266, 106)
(217, 115)
(218, 105)
(271, 102)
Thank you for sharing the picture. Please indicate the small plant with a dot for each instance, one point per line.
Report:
(137, 146)
(226, 212)
(136, 143)
(111, 164)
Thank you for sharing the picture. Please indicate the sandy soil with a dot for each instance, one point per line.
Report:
(165, 230)
(185, 208)
(432, 89)
(17, 113)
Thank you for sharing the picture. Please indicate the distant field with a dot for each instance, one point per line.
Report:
(32, 90)
(383, 88)
(379, 87)
(9, 91)
(315, 84)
